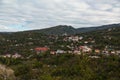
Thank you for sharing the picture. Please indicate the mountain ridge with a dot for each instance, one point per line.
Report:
(61, 29)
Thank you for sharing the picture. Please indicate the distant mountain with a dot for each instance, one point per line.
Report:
(57, 30)
(61, 29)
(88, 29)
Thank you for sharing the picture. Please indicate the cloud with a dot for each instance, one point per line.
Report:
(37, 14)
(4, 28)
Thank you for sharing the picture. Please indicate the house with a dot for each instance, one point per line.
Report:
(41, 49)
(76, 52)
(94, 56)
(16, 55)
(64, 34)
(76, 38)
(70, 52)
(7, 55)
(85, 49)
(93, 41)
(85, 42)
(60, 51)
(112, 52)
(73, 38)
(97, 51)
(80, 37)
(52, 52)
(118, 52)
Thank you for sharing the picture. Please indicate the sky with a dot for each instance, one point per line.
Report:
(20, 15)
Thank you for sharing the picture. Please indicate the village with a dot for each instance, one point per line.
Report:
(36, 55)
(73, 44)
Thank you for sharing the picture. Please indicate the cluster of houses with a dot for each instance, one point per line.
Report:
(15, 56)
(79, 50)
(73, 38)
(82, 49)
(73, 49)
(86, 49)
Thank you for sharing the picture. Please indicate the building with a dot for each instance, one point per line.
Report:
(16, 55)
(76, 52)
(7, 55)
(60, 51)
(52, 52)
(41, 49)
(97, 51)
(85, 49)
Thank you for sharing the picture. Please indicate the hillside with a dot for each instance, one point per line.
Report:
(69, 65)
(57, 30)
(88, 29)
(109, 37)
(61, 29)
(22, 42)
(64, 29)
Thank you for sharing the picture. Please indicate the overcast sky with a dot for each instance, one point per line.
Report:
(18, 15)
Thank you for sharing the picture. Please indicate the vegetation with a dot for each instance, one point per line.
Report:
(68, 66)
(6, 73)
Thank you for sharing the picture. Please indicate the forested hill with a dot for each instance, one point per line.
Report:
(61, 29)
(22, 41)
(57, 30)
(110, 36)
(103, 27)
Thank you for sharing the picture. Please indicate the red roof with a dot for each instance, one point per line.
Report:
(41, 49)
